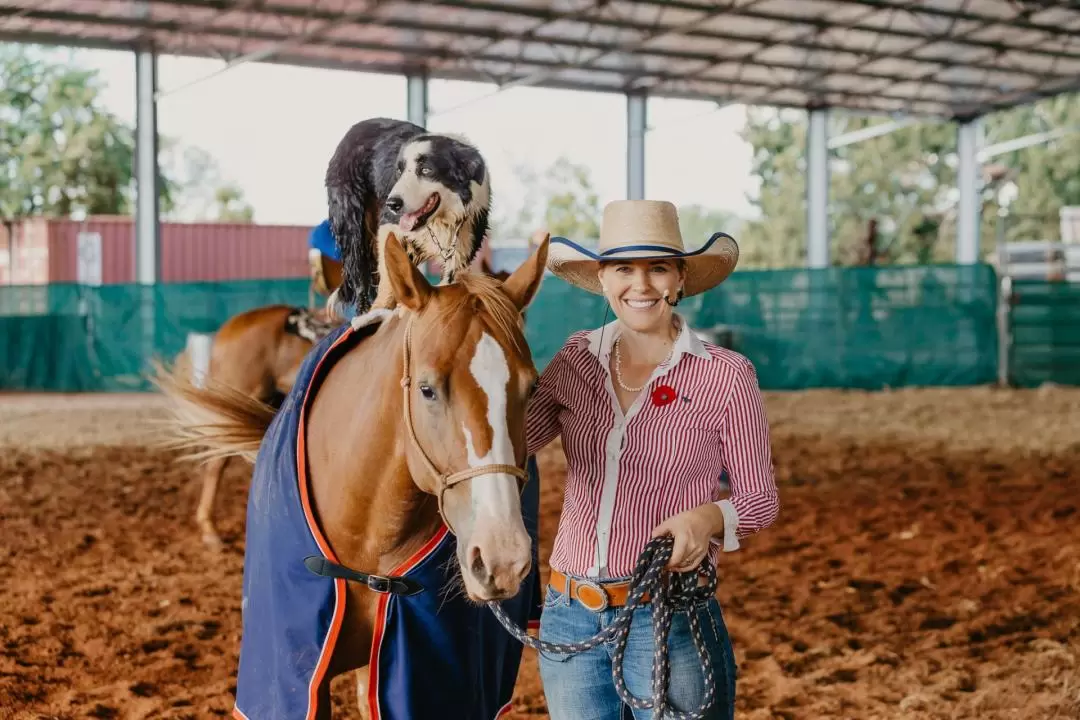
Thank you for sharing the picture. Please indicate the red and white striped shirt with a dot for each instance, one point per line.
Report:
(627, 474)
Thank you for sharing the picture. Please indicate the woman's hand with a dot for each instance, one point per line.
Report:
(692, 530)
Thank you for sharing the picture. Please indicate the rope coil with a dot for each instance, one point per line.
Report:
(670, 593)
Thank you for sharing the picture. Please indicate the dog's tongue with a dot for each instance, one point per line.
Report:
(408, 220)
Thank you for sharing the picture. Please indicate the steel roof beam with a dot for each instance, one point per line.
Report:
(860, 57)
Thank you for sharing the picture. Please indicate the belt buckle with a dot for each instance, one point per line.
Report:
(602, 604)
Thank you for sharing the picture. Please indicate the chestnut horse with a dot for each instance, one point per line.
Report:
(257, 352)
(416, 429)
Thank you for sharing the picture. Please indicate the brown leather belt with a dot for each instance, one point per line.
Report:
(593, 595)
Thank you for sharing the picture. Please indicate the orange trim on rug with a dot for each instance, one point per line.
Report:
(339, 584)
(380, 618)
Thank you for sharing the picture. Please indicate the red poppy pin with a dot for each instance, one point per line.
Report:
(662, 395)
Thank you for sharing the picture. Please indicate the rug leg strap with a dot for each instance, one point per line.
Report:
(396, 585)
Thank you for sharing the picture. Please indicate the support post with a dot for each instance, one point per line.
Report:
(147, 221)
(969, 187)
(417, 98)
(635, 146)
(817, 189)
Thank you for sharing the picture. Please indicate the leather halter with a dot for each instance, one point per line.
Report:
(443, 481)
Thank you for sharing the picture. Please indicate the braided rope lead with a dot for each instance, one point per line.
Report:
(670, 593)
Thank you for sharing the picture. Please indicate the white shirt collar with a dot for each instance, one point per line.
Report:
(601, 340)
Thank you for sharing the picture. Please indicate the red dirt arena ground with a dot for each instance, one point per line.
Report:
(925, 564)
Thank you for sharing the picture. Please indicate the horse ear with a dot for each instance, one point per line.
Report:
(410, 287)
(523, 283)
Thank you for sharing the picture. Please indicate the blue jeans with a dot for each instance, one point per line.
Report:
(580, 687)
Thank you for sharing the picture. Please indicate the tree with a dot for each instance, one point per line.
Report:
(61, 153)
(698, 223)
(905, 181)
(779, 166)
(231, 206)
(202, 193)
(561, 198)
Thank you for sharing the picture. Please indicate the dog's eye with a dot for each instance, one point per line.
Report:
(425, 170)
(428, 392)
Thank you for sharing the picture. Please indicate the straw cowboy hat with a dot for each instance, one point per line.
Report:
(637, 229)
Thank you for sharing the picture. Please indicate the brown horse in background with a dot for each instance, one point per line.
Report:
(257, 353)
(447, 375)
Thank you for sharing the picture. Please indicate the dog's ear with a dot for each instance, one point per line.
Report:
(473, 163)
(523, 283)
(410, 287)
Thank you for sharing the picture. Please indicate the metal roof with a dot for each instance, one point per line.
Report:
(951, 58)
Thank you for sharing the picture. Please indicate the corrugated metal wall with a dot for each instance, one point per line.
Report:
(46, 250)
(232, 251)
(117, 252)
(26, 251)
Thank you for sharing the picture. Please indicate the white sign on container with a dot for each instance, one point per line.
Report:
(88, 258)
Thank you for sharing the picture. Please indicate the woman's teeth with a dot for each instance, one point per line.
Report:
(641, 304)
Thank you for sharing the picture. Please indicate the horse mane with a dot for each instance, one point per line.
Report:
(487, 292)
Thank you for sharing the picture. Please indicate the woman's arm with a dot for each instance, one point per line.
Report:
(754, 502)
(542, 418)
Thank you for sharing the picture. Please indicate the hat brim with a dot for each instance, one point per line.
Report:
(706, 267)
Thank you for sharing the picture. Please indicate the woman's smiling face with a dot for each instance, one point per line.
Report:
(635, 290)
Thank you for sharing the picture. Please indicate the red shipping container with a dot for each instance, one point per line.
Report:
(46, 250)
(24, 252)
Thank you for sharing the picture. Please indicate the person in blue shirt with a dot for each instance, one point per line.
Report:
(322, 239)
(324, 257)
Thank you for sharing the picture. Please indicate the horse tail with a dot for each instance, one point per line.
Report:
(212, 421)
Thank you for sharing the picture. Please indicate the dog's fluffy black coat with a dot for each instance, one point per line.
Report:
(365, 167)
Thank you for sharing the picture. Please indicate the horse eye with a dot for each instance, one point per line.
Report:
(427, 392)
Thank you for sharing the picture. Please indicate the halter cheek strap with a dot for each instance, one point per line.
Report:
(443, 481)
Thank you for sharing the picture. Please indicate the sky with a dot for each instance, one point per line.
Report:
(272, 129)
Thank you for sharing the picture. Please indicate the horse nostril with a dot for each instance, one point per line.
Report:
(395, 203)
(522, 569)
(476, 563)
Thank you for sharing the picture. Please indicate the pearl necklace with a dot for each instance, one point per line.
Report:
(618, 367)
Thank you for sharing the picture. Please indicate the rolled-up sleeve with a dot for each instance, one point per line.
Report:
(754, 502)
(542, 418)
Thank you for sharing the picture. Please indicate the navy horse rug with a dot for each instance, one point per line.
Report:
(434, 654)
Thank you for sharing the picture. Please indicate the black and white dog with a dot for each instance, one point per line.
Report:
(431, 191)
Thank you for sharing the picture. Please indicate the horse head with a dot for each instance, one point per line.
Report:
(467, 375)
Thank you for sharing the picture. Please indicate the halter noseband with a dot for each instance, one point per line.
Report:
(443, 481)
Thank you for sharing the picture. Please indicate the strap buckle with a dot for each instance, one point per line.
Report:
(380, 584)
(398, 585)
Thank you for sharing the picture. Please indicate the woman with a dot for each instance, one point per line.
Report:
(651, 417)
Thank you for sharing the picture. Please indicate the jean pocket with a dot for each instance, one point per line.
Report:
(553, 598)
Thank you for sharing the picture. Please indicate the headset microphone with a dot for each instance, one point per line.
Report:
(672, 304)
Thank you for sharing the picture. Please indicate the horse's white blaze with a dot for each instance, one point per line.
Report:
(494, 494)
